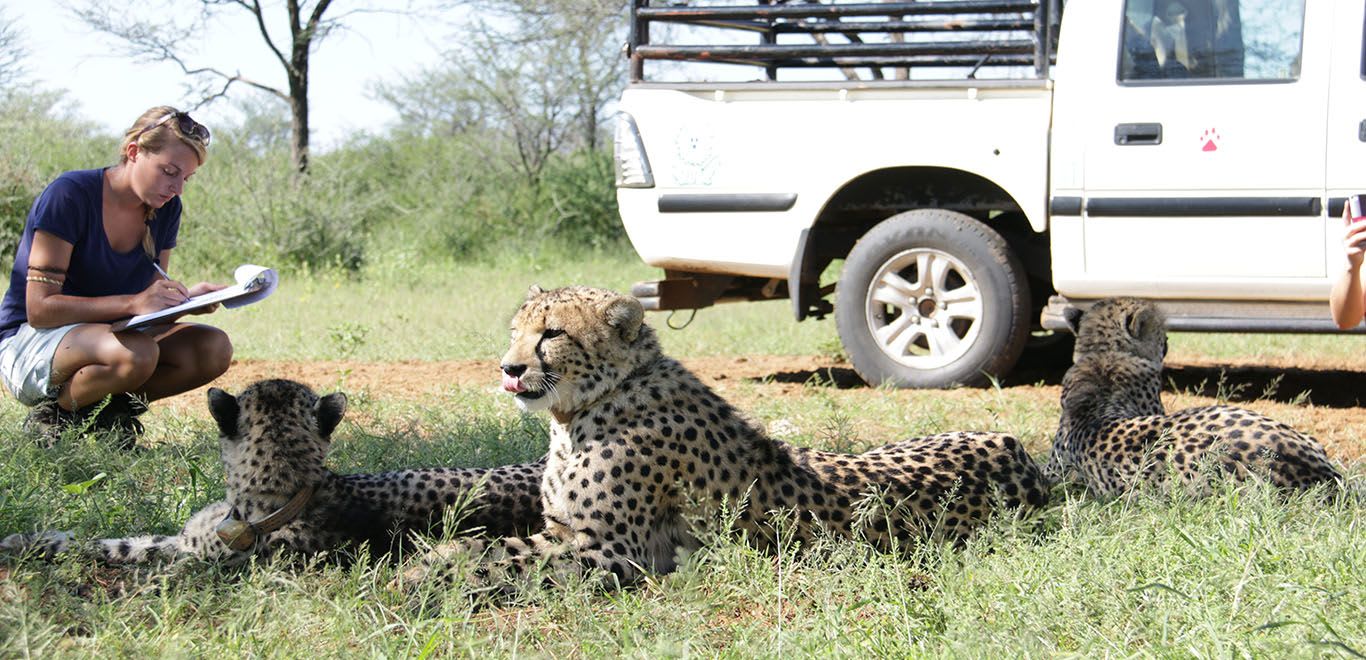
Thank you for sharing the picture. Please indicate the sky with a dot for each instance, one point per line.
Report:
(112, 90)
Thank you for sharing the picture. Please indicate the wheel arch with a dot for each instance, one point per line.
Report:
(869, 198)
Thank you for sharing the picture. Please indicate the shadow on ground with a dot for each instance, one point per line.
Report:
(1333, 388)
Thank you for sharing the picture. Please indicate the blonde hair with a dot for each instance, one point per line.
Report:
(152, 131)
(153, 137)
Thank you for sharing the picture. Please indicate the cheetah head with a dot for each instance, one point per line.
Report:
(571, 346)
(275, 435)
(1132, 326)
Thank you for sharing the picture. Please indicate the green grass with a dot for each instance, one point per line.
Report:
(408, 308)
(1245, 572)
(411, 309)
(1272, 348)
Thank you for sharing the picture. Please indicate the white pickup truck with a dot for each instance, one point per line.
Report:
(996, 165)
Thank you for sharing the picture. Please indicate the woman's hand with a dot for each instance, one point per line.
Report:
(1353, 240)
(203, 288)
(1347, 300)
(160, 295)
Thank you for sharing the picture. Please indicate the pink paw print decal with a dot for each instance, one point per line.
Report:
(1210, 140)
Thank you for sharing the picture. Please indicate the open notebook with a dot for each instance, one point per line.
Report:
(253, 284)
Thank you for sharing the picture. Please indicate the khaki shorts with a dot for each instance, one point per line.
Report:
(26, 362)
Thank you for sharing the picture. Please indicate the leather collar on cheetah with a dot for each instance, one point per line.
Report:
(241, 535)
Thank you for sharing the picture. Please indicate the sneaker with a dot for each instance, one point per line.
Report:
(117, 416)
(47, 421)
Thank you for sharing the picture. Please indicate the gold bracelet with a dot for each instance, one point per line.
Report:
(44, 280)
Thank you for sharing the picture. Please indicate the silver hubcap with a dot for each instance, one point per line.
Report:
(924, 308)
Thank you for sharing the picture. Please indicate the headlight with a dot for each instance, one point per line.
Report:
(632, 166)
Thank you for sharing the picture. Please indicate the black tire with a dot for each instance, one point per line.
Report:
(968, 345)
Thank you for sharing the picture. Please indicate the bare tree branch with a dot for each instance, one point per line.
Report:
(12, 53)
(255, 9)
(167, 38)
(317, 14)
(535, 72)
(228, 81)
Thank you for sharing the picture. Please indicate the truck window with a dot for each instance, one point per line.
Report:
(1229, 40)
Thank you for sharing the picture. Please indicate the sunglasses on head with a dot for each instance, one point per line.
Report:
(188, 127)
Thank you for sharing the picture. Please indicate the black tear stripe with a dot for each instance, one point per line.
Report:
(540, 355)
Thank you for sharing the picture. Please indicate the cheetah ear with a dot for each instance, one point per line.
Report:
(1141, 322)
(329, 410)
(533, 291)
(1072, 317)
(626, 315)
(223, 407)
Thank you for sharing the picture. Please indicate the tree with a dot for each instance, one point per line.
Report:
(515, 98)
(438, 101)
(291, 37)
(536, 73)
(586, 36)
(265, 124)
(12, 53)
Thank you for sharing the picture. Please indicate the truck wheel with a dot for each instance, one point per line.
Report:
(932, 298)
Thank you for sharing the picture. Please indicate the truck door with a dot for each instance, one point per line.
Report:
(1346, 120)
(1204, 151)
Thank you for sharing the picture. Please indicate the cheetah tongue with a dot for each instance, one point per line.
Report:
(512, 384)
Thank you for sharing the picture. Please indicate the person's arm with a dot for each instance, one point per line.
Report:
(1348, 299)
(48, 259)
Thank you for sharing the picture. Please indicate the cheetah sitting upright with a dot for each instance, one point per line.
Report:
(280, 496)
(639, 446)
(1114, 434)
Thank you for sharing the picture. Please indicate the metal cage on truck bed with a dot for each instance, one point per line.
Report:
(980, 36)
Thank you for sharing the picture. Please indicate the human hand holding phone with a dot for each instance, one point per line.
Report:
(1354, 238)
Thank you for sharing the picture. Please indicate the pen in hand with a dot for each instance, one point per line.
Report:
(164, 273)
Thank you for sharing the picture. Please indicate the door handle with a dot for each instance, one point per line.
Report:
(1137, 134)
(1361, 131)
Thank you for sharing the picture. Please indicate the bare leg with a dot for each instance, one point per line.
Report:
(101, 362)
(190, 355)
(95, 362)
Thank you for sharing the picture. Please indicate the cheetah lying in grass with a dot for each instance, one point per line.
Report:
(280, 496)
(639, 446)
(1114, 433)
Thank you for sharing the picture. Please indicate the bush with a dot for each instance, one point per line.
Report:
(251, 207)
(582, 195)
(447, 197)
(41, 142)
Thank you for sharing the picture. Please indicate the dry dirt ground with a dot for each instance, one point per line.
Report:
(1337, 391)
